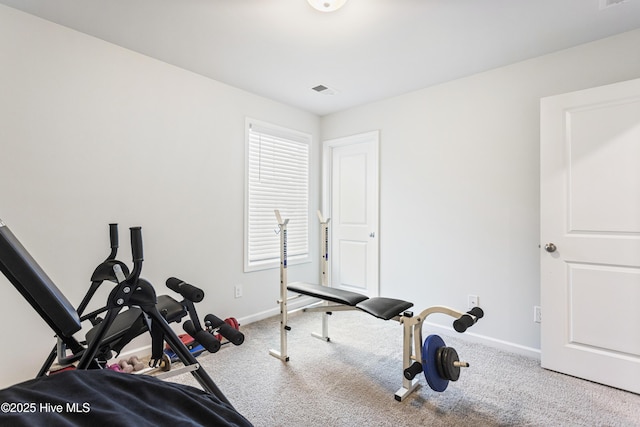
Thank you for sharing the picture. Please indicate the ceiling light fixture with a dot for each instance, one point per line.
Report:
(327, 5)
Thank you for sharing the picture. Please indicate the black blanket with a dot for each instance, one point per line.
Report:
(105, 397)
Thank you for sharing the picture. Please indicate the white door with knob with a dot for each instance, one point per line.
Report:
(351, 198)
(590, 234)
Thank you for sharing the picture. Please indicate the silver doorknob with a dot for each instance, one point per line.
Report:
(550, 247)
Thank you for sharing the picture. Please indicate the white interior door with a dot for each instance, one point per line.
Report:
(590, 212)
(351, 181)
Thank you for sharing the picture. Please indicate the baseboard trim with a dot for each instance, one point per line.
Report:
(145, 351)
(140, 352)
(291, 306)
(510, 347)
(305, 301)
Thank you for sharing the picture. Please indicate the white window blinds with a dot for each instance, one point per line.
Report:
(277, 178)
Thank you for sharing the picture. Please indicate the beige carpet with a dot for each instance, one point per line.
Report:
(351, 382)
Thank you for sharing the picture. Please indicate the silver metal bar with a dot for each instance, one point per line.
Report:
(327, 308)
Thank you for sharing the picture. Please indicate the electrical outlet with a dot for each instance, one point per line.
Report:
(237, 291)
(473, 301)
(537, 314)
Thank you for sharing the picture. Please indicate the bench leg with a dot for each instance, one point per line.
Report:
(406, 391)
(408, 386)
(284, 328)
(325, 327)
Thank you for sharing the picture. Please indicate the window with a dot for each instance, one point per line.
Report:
(277, 177)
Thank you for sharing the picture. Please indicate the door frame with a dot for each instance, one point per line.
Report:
(371, 137)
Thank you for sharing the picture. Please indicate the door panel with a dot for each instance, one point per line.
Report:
(351, 170)
(604, 144)
(351, 176)
(592, 287)
(590, 210)
(353, 264)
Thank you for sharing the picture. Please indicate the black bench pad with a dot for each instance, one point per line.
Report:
(384, 308)
(326, 293)
(168, 307)
(33, 283)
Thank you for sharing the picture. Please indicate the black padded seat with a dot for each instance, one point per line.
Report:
(326, 293)
(124, 321)
(132, 318)
(384, 308)
(170, 309)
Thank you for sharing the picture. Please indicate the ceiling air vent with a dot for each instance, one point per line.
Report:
(325, 90)
(604, 4)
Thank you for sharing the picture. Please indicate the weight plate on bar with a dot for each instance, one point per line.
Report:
(449, 356)
(430, 363)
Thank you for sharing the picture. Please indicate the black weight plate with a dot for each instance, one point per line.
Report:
(440, 362)
(449, 356)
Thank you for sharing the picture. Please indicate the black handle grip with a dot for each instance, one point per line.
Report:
(468, 319)
(189, 328)
(413, 370)
(113, 235)
(476, 311)
(461, 324)
(208, 341)
(204, 338)
(233, 335)
(187, 291)
(136, 243)
(213, 320)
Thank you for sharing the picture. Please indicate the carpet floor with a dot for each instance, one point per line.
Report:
(351, 381)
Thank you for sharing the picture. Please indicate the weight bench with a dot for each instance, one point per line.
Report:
(130, 291)
(382, 308)
(439, 363)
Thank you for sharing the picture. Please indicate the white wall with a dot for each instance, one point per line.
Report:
(459, 169)
(91, 133)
